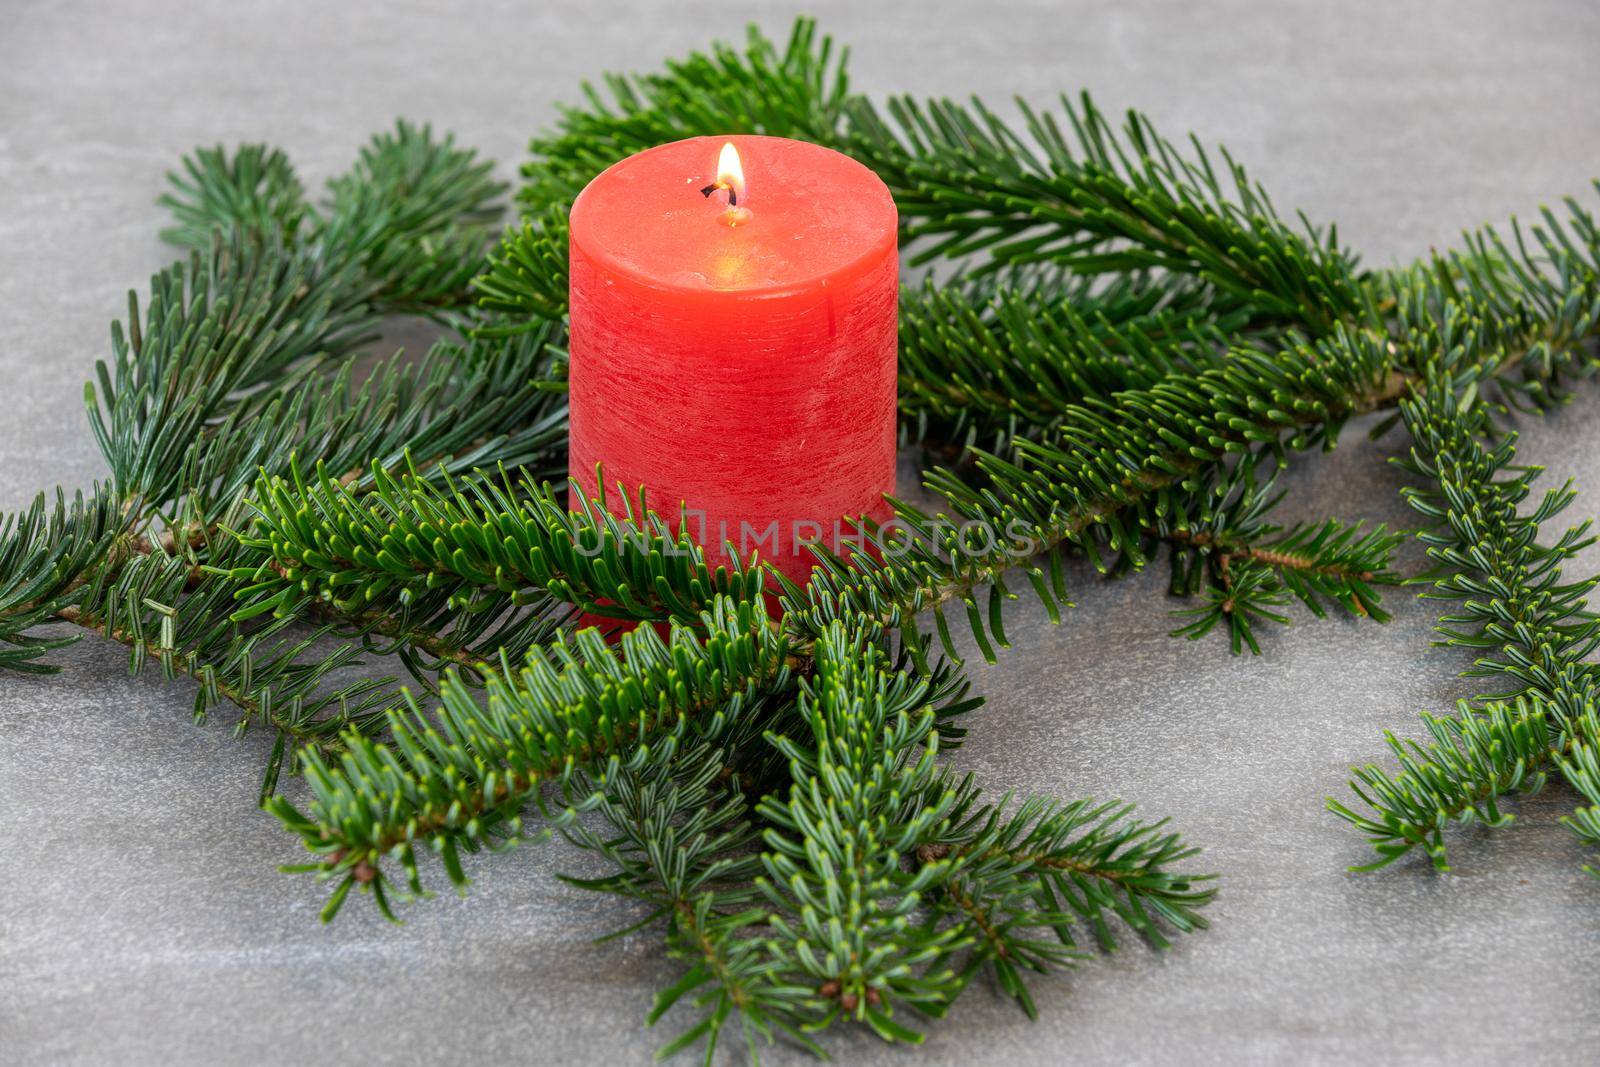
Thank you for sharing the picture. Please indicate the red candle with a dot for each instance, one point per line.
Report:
(734, 340)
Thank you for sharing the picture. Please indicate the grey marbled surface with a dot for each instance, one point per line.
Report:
(141, 918)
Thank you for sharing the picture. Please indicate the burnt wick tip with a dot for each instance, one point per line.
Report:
(733, 195)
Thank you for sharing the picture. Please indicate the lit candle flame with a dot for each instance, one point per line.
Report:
(730, 174)
(730, 179)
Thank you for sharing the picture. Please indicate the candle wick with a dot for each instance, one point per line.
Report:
(733, 194)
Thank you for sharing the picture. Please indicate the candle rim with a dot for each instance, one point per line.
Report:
(879, 244)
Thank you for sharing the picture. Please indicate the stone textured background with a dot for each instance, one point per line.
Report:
(141, 918)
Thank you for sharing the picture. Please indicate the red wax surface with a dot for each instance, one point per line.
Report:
(745, 372)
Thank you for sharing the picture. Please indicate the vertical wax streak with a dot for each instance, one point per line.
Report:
(739, 366)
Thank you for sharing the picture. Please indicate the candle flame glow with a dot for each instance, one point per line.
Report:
(730, 172)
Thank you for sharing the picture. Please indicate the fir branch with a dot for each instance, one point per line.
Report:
(417, 214)
(253, 191)
(526, 279)
(1580, 766)
(481, 547)
(191, 371)
(462, 783)
(1223, 547)
(738, 972)
(1532, 629)
(207, 390)
(461, 406)
(1494, 322)
(219, 331)
(1098, 201)
(470, 403)
(866, 792)
(413, 215)
(860, 800)
(44, 553)
(997, 356)
(1140, 448)
(1529, 305)
(681, 839)
(1474, 759)
(404, 230)
(482, 402)
(1093, 864)
(156, 606)
(1023, 881)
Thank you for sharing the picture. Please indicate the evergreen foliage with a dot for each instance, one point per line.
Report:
(1084, 488)
(44, 553)
(242, 359)
(486, 547)
(989, 358)
(1532, 631)
(1123, 349)
(1496, 326)
(459, 782)
(411, 215)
